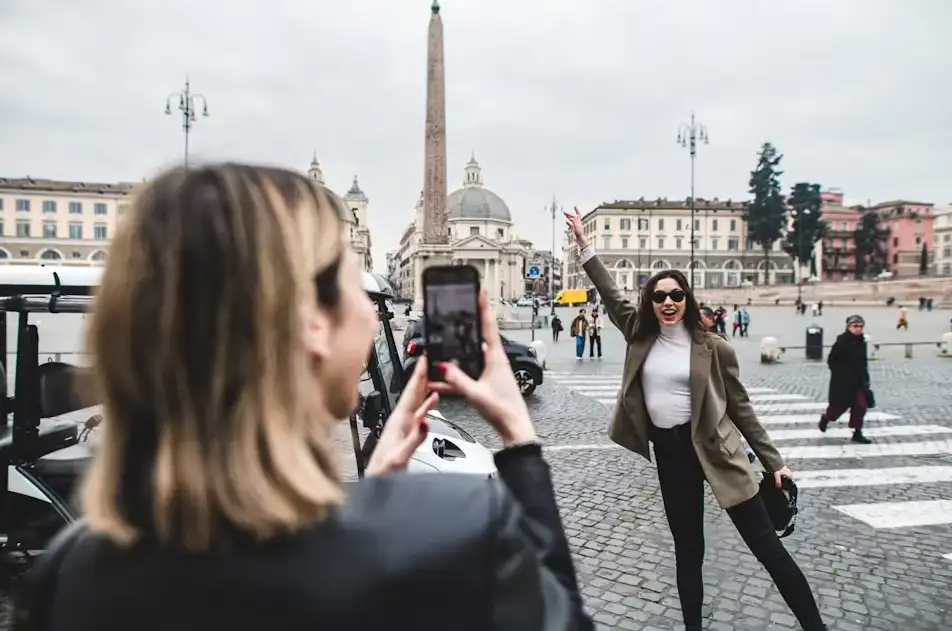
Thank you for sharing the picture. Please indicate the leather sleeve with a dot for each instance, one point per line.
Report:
(742, 412)
(534, 585)
(621, 311)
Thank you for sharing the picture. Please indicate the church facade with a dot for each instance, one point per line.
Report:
(480, 233)
(356, 202)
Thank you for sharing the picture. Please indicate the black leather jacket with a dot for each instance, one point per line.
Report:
(406, 552)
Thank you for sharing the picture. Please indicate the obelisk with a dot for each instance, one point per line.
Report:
(435, 230)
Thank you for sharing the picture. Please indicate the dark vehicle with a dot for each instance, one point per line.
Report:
(522, 358)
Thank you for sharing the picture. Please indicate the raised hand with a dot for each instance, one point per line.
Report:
(406, 429)
(574, 221)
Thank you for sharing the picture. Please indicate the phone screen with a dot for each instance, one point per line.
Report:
(451, 319)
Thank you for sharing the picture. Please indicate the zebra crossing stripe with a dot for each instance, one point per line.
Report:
(844, 451)
(947, 556)
(885, 476)
(900, 514)
(812, 419)
(772, 408)
(873, 432)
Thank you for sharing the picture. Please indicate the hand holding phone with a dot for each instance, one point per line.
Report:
(451, 319)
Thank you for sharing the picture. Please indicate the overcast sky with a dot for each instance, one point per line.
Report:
(581, 100)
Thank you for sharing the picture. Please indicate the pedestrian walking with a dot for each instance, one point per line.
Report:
(737, 322)
(577, 330)
(595, 335)
(903, 321)
(556, 327)
(849, 379)
(679, 382)
(744, 322)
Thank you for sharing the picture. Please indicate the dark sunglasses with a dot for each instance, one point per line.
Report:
(676, 295)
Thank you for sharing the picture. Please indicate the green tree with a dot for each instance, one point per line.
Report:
(871, 239)
(766, 214)
(806, 207)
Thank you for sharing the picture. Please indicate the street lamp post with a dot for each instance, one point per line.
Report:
(554, 210)
(688, 136)
(186, 104)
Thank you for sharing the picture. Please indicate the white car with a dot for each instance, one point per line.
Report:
(450, 449)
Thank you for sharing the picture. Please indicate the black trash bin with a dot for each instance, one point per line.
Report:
(814, 342)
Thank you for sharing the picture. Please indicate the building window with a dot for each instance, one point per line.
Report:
(49, 230)
(2, 233)
(76, 208)
(624, 243)
(697, 225)
(625, 225)
(732, 243)
(24, 254)
(714, 225)
(473, 230)
(23, 205)
(100, 209)
(75, 230)
(99, 231)
(608, 224)
(714, 243)
(23, 228)
(607, 242)
(660, 243)
(677, 243)
(733, 225)
(661, 224)
(678, 225)
(895, 242)
(122, 209)
(500, 233)
(1, 203)
(642, 224)
(77, 255)
(49, 206)
(643, 243)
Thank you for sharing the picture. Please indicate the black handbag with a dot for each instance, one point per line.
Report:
(870, 398)
(781, 503)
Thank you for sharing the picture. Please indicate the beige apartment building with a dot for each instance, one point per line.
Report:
(638, 238)
(50, 220)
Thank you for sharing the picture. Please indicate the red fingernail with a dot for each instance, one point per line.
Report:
(424, 427)
(441, 367)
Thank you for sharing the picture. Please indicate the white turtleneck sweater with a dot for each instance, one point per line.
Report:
(665, 378)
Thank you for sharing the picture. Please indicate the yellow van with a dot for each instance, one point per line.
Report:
(573, 297)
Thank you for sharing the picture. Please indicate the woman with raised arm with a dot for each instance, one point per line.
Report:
(681, 393)
(230, 332)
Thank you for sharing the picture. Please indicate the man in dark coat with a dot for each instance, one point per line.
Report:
(849, 379)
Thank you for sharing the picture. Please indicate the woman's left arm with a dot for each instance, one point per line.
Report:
(742, 412)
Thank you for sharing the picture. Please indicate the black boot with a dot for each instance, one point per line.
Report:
(859, 438)
(824, 422)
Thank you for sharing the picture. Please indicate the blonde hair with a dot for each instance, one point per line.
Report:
(209, 409)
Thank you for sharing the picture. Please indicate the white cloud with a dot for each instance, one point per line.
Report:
(582, 100)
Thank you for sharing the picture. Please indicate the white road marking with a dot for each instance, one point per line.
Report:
(900, 514)
(873, 432)
(854, 450)
(947, 556)
(813, 419)
(772, 408)
(872, 477)
(825, 452)
(778, 396)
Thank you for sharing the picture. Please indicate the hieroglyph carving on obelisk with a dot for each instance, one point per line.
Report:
(435, 229)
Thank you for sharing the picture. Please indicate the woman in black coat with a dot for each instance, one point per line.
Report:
(849, 379)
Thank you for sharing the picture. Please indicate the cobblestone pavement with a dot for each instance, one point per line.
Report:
(874, 536)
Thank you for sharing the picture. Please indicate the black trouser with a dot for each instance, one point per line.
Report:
(682, 490)
(555, 335)
(592, 341)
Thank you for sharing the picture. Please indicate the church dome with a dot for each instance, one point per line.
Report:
(474, 201)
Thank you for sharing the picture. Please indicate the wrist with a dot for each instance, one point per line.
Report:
(514, 433)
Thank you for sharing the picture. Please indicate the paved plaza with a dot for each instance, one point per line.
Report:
(874, 536)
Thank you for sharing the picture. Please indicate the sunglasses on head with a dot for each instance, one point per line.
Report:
(676, 295)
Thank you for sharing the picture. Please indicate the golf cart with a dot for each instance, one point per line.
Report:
(45, 448)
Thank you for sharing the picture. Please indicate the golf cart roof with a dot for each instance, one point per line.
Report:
(20, 280)
(376, 285)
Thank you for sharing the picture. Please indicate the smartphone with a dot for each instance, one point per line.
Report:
(451, 321)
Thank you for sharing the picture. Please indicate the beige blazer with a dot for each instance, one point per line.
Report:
(720, 408)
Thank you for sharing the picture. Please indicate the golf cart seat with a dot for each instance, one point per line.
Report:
(60, 388)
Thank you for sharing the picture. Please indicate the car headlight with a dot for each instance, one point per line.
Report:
(532, 351)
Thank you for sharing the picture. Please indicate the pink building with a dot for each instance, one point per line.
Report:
(911, 228)
(839, 247)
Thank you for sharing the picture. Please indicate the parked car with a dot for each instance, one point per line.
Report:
(522, 358)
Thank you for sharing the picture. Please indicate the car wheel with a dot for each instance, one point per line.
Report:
(525, 380)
